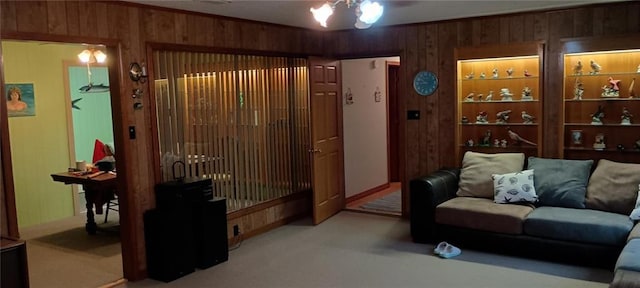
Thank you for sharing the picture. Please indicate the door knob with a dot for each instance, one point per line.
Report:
(315, 150)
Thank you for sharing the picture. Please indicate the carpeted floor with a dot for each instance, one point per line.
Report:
(391, 202)
(364, 250)
(62, 254)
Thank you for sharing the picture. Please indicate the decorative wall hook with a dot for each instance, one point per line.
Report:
(137, 72)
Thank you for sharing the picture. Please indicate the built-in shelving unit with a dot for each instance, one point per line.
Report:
(499, 89)
(600, 82)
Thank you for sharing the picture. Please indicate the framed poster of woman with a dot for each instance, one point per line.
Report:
(20, 99)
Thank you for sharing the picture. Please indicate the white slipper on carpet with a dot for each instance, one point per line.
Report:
(440, 248)
(450, 251)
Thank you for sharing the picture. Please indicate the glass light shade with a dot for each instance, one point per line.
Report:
(100, 56)
(322, 14)
(371, 12)
(85, 56)
(361, 25)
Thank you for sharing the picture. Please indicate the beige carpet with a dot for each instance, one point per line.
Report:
(62, 254)
(355, 249)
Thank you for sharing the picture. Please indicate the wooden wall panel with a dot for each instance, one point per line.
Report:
(130, 27)
(427, 142)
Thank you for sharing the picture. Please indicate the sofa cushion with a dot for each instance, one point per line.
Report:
(630, 256)
(482, 214)
(613, 187)
(635, 232)
(559, 182)
(580, 225)
(514, 187)
(477, 168)
(625, 279)
(635, 214)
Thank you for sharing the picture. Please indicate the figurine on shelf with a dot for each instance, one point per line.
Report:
(518, 140)
(595, 68)
(506, 94)
(489, 97)
(496, 142)
(464, 120)
(495, 73)
(632, 92)
(526, 73)
(596, 118)
(510, 72)
(578, 90)
(614, 84)
(469, 76)
(502, 116)
(638, 70)
(599, 144)
(626, 117)
(482, 118)
(526, 94)
(469, 143)
(482, 75)
(611, 90)
(503, 143)
(527, 118)
(469, 97)
(637, 145)
(486, 139)
(577, 69)
(620, 147)
(480, 95)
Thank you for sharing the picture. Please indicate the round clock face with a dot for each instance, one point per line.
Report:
(425, 83)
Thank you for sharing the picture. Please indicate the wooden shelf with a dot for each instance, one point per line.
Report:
(577, 113)
(525, 56)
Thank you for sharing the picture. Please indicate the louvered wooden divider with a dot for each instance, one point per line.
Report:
(241, 120)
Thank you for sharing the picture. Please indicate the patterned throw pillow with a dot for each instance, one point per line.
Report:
(635, 214)
(514, 187)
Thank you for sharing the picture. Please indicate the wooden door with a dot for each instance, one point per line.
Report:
(326, 138)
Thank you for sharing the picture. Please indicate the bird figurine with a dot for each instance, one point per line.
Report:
(515, 137)
(469, 76)
(510, 72)
(469, 97)
(577, 69)
(480, 97)
(595, 67)
(482, 75)
(614, 84)
(502, 116)
(527, 118)
(489, 97)
(494, 73)
(527, 74)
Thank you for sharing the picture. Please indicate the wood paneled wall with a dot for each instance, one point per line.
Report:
(426, 144)
(129, 28)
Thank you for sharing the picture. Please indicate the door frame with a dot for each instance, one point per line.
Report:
(128, 230)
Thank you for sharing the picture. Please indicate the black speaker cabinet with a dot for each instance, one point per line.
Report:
(169, 243)
(185, 190)
(210, 232)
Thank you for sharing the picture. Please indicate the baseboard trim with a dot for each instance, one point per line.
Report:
(367, 193)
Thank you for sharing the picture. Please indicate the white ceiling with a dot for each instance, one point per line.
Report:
(296, 12)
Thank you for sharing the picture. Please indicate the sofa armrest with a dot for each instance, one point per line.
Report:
(425, 194)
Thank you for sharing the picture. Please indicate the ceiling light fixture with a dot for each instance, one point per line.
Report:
(89, 56)
(367, 12)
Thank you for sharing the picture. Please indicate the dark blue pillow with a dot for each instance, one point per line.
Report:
(559, 182)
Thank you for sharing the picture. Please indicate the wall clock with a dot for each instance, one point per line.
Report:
(425, 83)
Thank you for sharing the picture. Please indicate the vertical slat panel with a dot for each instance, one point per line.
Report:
(236, 119)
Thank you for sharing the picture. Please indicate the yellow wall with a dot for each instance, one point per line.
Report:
(39, 144)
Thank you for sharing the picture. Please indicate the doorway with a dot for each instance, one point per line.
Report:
(58, 246)
(371, 129)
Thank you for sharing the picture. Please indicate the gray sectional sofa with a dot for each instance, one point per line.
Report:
(561, 210)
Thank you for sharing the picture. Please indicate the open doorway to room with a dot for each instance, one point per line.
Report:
(68, 107)
(370, 123)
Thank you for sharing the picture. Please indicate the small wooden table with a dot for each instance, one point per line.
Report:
(98, 189)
